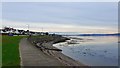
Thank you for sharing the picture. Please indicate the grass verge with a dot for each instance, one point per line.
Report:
(10, 50)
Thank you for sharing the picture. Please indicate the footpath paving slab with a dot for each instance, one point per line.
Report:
(32, 56)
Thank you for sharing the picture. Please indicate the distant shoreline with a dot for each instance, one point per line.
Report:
(117, 34)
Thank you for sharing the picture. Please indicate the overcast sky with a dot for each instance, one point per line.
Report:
(84, 17)
(59, 0)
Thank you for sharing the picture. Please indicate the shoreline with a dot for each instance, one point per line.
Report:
(46, 46)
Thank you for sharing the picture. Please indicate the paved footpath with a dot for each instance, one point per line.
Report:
(32, 56)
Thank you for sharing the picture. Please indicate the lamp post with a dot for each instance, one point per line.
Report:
(42, 29)
(28, 28)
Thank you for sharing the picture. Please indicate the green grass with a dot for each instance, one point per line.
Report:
(10, 50)
(0, 50)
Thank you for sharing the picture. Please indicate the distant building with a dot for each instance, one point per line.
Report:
(11, 31)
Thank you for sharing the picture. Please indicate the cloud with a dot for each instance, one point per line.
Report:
(63, 16)
(60, 0)
(68, 13)
(52, 27)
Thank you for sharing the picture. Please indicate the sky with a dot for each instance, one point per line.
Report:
(83, 17)
(59, 0)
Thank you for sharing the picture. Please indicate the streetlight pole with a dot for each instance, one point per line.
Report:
(28, 26)
(42, 29)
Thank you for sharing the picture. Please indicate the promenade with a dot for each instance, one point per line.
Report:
(32, 56)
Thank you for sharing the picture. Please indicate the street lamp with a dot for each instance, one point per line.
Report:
(28, 28)
(42, 29)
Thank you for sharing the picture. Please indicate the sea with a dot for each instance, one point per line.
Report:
(91, 50)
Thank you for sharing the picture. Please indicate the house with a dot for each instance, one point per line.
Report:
(11, 31)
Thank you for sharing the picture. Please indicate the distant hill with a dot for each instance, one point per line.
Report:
(116, 34)
(78, 34)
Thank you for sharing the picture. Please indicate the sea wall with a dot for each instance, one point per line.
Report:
(45, 45)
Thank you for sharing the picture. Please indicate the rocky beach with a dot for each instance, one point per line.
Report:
(40, 51)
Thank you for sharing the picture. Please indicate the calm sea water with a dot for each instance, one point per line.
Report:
(92, 51)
